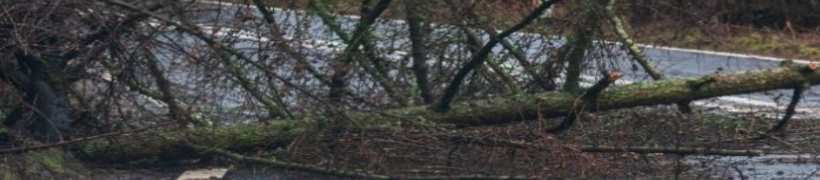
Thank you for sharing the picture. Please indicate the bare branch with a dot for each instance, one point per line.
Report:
(478, 58)
(223, 51)
(360, 37)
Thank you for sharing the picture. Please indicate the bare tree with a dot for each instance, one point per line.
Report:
(73, 71)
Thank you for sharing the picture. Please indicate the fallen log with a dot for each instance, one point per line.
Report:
(555, 104)
(171, 144)
(483, 112)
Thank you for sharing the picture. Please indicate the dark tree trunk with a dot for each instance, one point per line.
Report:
(418, 33)
(45, 112)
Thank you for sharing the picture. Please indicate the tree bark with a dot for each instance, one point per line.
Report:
(474, 43)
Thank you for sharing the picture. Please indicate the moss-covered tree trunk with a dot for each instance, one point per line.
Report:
(477, 112)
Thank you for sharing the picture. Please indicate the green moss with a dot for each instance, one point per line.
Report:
(168, 148)
(809, 51)
(52, 161)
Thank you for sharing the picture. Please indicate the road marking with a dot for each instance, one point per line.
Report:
(725, 54)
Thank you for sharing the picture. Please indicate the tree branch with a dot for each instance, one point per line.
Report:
(790, 109)
(223, 51)
(635, 51)
(478, 58)
(177, 112)
(630, 45)
(281, 42)
(474, 43)
(338, 81)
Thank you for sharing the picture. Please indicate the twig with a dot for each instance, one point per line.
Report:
(784, 142)
(478, 58)
(279, 41)
(334, 172)
(224, 52)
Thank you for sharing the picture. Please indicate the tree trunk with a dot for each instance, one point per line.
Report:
(470, 113)
(46, 111)
(418, 32)
(574, 52)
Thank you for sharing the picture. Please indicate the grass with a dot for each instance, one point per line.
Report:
(730, 38)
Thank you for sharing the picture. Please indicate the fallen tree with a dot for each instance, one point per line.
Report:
(555, 104)
(174, 144)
